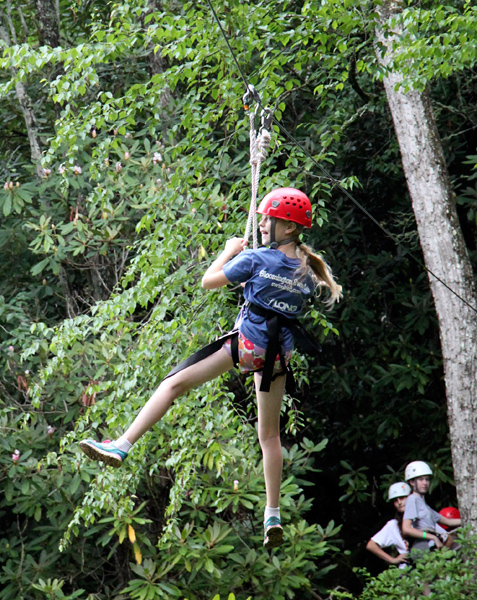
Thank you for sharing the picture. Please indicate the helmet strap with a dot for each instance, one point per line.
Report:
(273, 243)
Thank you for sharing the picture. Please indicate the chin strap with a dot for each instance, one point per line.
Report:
(273, 243)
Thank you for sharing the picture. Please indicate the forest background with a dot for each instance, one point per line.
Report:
(124, 168)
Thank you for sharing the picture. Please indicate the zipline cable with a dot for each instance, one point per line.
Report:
(335, 181)
(229, 46)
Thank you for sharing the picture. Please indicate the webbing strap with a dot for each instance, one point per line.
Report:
(208, 351)
(275, 322)
(234, 348)
(273, 348)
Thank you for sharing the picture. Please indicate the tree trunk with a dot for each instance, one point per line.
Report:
(25, 103)
(445, 254)
(156, 62)
(26, 106)
(72, 309)
(48, 21)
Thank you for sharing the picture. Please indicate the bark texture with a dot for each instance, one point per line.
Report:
(156, 62)
(446, 255)
(49, 29)
(26, 106)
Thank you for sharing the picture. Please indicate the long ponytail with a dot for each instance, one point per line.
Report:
(399, 518)
(320, 270)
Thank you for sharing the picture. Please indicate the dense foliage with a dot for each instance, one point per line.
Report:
(144, 174)
(448, 574)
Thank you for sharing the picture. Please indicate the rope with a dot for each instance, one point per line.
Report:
(259, 145)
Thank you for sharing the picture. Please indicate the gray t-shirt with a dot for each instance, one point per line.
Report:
(422, 516)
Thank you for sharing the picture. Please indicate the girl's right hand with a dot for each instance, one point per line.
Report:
(235, 245)
(400, 558)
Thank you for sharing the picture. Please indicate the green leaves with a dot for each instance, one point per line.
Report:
(356, 483)
(446, 573)
(145, 148)
(437, 43)
(13, 197)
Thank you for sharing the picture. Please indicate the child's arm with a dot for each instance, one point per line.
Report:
(409, 531)
(214, 277)
(375, 548)
(449, 522)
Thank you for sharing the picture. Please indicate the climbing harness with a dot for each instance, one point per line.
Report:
(259, 144)
(275, 322)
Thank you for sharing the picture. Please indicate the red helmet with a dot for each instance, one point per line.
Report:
(449, 512)
(288, 204)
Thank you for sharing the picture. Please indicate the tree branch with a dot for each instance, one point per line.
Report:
(4, 33)
(23, 22)
(24, 100)
(72, 309)
(156, 62)
(49, 23)
(10, 22)
(354, 82)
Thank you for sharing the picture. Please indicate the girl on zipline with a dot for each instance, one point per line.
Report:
(279, 279)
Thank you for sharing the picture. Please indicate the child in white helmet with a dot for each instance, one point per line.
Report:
(420, 522)
(278, 282)
(391, 534)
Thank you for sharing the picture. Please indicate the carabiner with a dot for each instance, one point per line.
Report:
(266, 119)
(250, 95)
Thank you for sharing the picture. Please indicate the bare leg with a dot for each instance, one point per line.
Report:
(173, 387)
(269, 404)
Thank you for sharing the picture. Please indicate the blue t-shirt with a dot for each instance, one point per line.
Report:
(271, 282)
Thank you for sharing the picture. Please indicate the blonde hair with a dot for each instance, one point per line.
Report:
(321, 272)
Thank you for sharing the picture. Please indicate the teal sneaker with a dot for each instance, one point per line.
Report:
(105, 451)
(273, 533)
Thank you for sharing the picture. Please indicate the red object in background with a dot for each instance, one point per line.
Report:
(449, 512)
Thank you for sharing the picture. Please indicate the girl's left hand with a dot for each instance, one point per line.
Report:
(235, 245)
